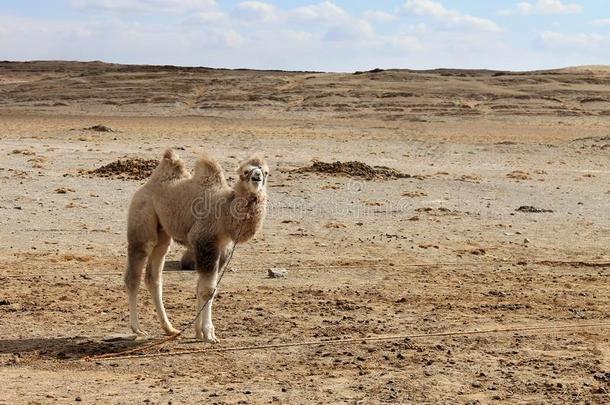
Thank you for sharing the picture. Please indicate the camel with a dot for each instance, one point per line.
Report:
(199, 211)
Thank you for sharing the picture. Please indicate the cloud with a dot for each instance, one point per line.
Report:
(326, 20)
(543, 7)
(406, 42)
(257, 11)
(552, 39)
(437, 11)
(378, 16)
(357, 30)
(209, 17)
(322, 12)
(601, 22)
(178, 6)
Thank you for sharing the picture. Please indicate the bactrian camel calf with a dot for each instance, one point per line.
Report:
(199, 211)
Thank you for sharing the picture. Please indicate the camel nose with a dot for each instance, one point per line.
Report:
(257, 175)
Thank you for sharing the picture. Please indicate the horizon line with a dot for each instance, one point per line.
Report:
(374, 70)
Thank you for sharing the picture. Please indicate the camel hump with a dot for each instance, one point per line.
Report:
(170, 168)
(208, 171)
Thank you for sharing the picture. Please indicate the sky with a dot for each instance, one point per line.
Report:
(340, 35)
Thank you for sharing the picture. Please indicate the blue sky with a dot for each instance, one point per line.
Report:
(311, 35)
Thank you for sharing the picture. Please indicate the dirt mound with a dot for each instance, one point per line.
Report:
(355, 169)
(99, 128)
(519, 175)
(126, 169)
(531, 209)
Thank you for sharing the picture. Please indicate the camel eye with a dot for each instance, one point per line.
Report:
(245, 172)
(266, 173)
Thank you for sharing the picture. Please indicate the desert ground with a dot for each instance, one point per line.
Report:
(499, 219)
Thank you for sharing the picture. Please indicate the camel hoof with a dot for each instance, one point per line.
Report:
(139, 332)
(141, 335)
(206, 338)
(172, 332)
(210, 336)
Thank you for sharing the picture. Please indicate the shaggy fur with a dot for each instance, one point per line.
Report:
(199, 211)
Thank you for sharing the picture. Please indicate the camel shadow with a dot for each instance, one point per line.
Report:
(174, 265)
(68, 348)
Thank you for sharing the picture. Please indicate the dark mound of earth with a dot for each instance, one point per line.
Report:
(99, 128)
(531, 209)
(355, 169)
(126, 169)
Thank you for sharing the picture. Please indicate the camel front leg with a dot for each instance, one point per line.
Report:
(207, 258)
(204, 328)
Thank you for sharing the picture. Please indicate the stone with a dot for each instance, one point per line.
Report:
(277, 272)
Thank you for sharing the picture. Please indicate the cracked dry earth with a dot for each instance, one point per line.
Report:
(446, 249)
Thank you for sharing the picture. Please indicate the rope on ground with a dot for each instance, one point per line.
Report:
(549, 263)
(128, 354)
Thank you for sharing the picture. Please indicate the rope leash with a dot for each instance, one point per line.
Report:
(547, 328)
(544, 262)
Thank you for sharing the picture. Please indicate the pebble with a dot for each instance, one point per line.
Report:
(277, 272)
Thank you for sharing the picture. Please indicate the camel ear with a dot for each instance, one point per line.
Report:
(170, 155)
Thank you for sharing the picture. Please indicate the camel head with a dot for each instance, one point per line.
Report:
(253, 173)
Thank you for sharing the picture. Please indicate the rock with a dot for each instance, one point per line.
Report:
(602, 376)
(277, 272)
(15, 359)
(600, 390)
(526, 240)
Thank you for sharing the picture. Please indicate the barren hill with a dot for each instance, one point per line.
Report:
(392, 95)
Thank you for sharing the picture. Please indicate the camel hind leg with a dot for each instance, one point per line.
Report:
(142, 230)
(154, 279)
(136, 261)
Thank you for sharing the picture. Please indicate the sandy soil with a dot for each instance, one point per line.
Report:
(444, 250)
